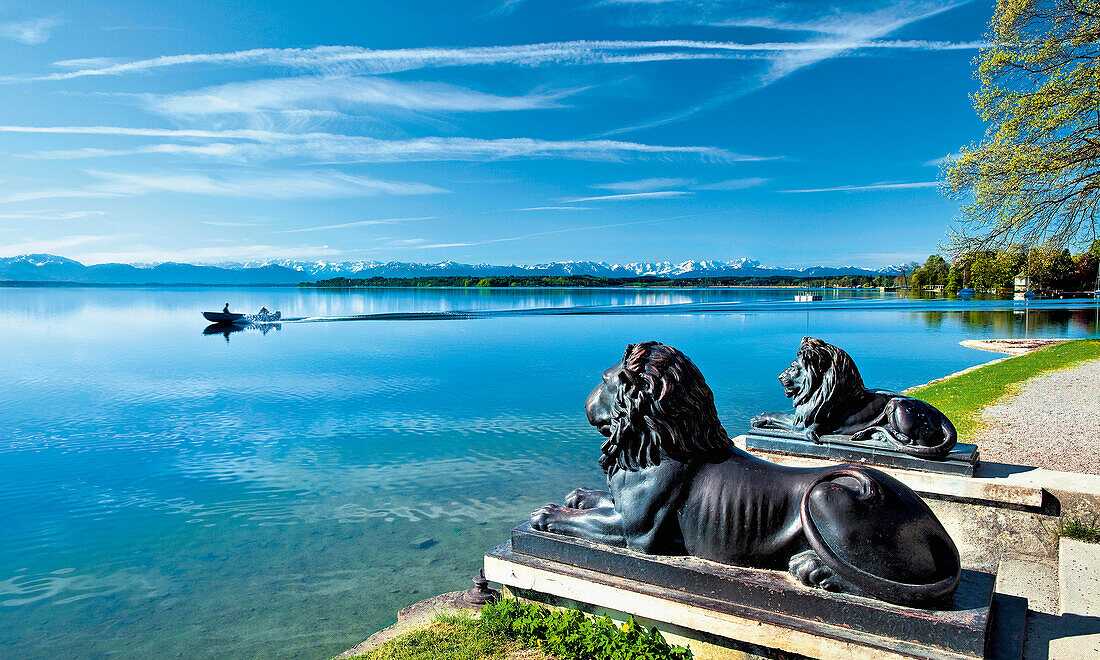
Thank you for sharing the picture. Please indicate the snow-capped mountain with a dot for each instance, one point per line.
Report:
(51, 268)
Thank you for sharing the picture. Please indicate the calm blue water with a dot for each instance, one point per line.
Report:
(172, 493)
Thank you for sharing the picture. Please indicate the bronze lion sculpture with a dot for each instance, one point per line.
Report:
(678, 486)
(830, 399)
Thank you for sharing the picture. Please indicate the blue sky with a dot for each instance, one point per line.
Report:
(515, 131)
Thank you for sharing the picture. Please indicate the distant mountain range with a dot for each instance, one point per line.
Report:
(52, 268)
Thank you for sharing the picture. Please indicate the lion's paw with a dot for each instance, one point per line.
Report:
(545, 519)
(759, 421)
(584, 498)
(808, 569)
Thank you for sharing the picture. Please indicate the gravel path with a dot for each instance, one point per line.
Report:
(1053, 422)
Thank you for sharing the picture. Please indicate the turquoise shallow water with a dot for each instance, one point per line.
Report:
(284, 494)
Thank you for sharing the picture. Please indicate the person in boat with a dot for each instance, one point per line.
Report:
(225, 310)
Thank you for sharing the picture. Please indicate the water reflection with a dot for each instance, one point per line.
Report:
(1021, 321)
(226, 329)
(166, 485)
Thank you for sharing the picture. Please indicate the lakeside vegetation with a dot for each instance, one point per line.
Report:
(581, 281)
(962, 398)
(511, 629)
(1046, 266)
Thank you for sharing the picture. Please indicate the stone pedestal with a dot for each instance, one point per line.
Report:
(962, 461)
(747, 608)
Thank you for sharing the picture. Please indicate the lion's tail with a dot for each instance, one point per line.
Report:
(934, 452)
(883, 588)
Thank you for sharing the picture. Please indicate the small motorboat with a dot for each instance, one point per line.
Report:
(224, 317)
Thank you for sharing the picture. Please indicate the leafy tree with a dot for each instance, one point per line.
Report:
(1049, 267)
(918, 279)
(935, 269)
(1036, 175)
(953, 282)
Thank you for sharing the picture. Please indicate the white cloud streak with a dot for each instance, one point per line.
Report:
(51, 246)
(329, 93)
(32, 32)
(359, 223)
(841, 33)
(642, 185)
(331, 147)
(869, 187)
(734, 184)
(49, 215)
(278, 185)
(937, 162)
(552, 232)
(344, 60)
(662, 194)
(209, 254)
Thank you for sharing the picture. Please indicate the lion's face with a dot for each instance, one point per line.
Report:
(600, 405)
(793, 379)
(652, 403)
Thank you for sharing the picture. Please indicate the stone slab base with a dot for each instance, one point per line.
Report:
(775, 613)
(962, 461)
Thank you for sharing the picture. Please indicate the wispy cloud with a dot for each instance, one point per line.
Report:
(86, 62)
(886, 185)
(277, 185)
(661, 194)
(552, 232)
(285, 185)
(142, 253)
(557, 208)
(336, 93)
(50, 246)
(326, 147)
(358, 223)
(936, 162)
(345, 60)
(231, 223)
(734, 184)
(838, 32)
(504, 7)
(31, 32)
(642, 185)
(54, 193)
(50, 215)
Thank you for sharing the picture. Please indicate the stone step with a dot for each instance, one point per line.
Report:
(1079, 577)
(1030, 577)
(1075, 632)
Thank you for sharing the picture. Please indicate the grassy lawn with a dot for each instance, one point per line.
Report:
(962, 398)
(511, 630)
(453, 637)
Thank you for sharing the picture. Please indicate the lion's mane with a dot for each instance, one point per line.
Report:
(831, 380)
(662, 404)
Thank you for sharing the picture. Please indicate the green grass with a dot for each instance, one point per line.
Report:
(510, 630)
(456, 636)
(1075, 528)
(963, 397)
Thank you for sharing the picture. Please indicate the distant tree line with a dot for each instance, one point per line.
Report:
(572, 281)
(1046, 266)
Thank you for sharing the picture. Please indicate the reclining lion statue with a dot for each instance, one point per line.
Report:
(830, 399)
(678, 486)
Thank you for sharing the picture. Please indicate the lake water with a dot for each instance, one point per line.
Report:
(170, 493)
